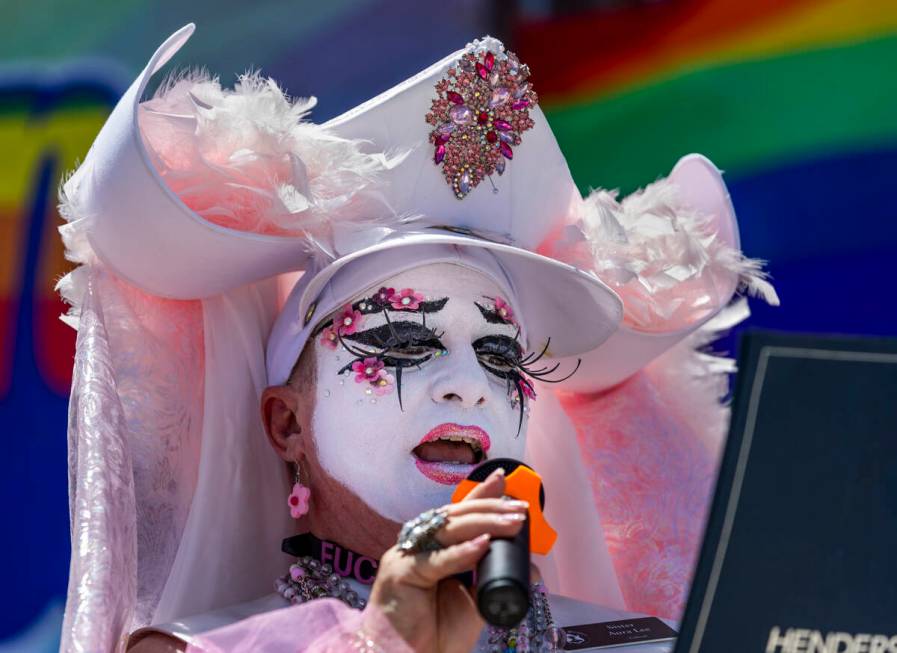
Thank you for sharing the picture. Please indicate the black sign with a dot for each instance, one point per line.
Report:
(800, 553)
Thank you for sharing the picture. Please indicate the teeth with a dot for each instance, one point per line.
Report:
(460, 438)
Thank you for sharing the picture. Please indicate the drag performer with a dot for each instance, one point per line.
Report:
(311, 334)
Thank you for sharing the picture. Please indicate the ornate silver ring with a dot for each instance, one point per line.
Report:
(419, 534)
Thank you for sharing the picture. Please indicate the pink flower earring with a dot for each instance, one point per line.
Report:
(298, 499)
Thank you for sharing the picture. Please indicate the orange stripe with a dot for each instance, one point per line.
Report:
(605, 42)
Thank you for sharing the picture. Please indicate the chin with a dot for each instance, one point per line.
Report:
(416, 495)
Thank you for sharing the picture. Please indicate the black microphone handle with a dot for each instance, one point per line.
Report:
(503, 576)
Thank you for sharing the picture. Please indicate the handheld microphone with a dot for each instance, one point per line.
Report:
(503, 574)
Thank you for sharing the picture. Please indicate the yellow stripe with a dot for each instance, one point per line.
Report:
(66, 135)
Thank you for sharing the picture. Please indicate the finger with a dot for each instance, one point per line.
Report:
(486, 505)
(466, 527)
(459, 620)
(433, 566)
(492, 488)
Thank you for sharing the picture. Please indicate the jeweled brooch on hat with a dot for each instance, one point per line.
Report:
(480, 111)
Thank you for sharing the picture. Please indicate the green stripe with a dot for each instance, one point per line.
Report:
(743, 116)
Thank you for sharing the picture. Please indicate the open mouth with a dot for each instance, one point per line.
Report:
(449, 452)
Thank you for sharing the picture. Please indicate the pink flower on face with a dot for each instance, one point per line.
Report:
(348, 320)
(298, 501)
(367, 370)
(383, 385)
(504, 311)
(384, 295)
(329, 338)
(527, 388)
(406, 300)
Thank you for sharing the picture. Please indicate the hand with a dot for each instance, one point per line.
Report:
(430, 610)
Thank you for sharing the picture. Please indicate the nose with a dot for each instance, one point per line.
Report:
(460, 379)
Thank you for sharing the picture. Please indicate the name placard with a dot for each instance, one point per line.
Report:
(615, 633)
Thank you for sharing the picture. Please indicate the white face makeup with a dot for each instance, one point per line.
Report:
(456, 408)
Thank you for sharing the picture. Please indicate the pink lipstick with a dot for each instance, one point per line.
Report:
(449, 452)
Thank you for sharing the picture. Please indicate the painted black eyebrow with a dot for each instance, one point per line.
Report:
(372, 305)
(490, 315)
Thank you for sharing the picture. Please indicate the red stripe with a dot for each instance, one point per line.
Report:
(580, 53)
(55, 344)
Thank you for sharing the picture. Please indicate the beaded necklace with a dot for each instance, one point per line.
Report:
(310, 578)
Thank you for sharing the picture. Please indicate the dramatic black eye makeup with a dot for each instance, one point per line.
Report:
(503, 357)
(404, 343)
(397, 344)
(499, 354)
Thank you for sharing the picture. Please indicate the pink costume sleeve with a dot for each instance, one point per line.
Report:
(320, 626)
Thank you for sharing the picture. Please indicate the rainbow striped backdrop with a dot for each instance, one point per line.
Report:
(795, 99)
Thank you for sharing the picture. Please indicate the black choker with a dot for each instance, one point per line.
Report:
(345, 562)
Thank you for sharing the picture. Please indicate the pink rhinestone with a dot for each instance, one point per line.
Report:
(500, 95)
(440, 154)
(461, 115)
(520, 104)
(501, 125)
(455, 97)
(489, 60)
(482, 71)
(506, 150)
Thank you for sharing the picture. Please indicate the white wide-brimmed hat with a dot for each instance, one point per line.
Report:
(462, 164)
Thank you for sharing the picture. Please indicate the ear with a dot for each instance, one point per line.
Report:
(283, 420)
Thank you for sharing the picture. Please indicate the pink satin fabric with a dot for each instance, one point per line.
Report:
(320, 626)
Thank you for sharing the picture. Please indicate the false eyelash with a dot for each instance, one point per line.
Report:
(395, 341)
(391, 335)
(541, 374)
